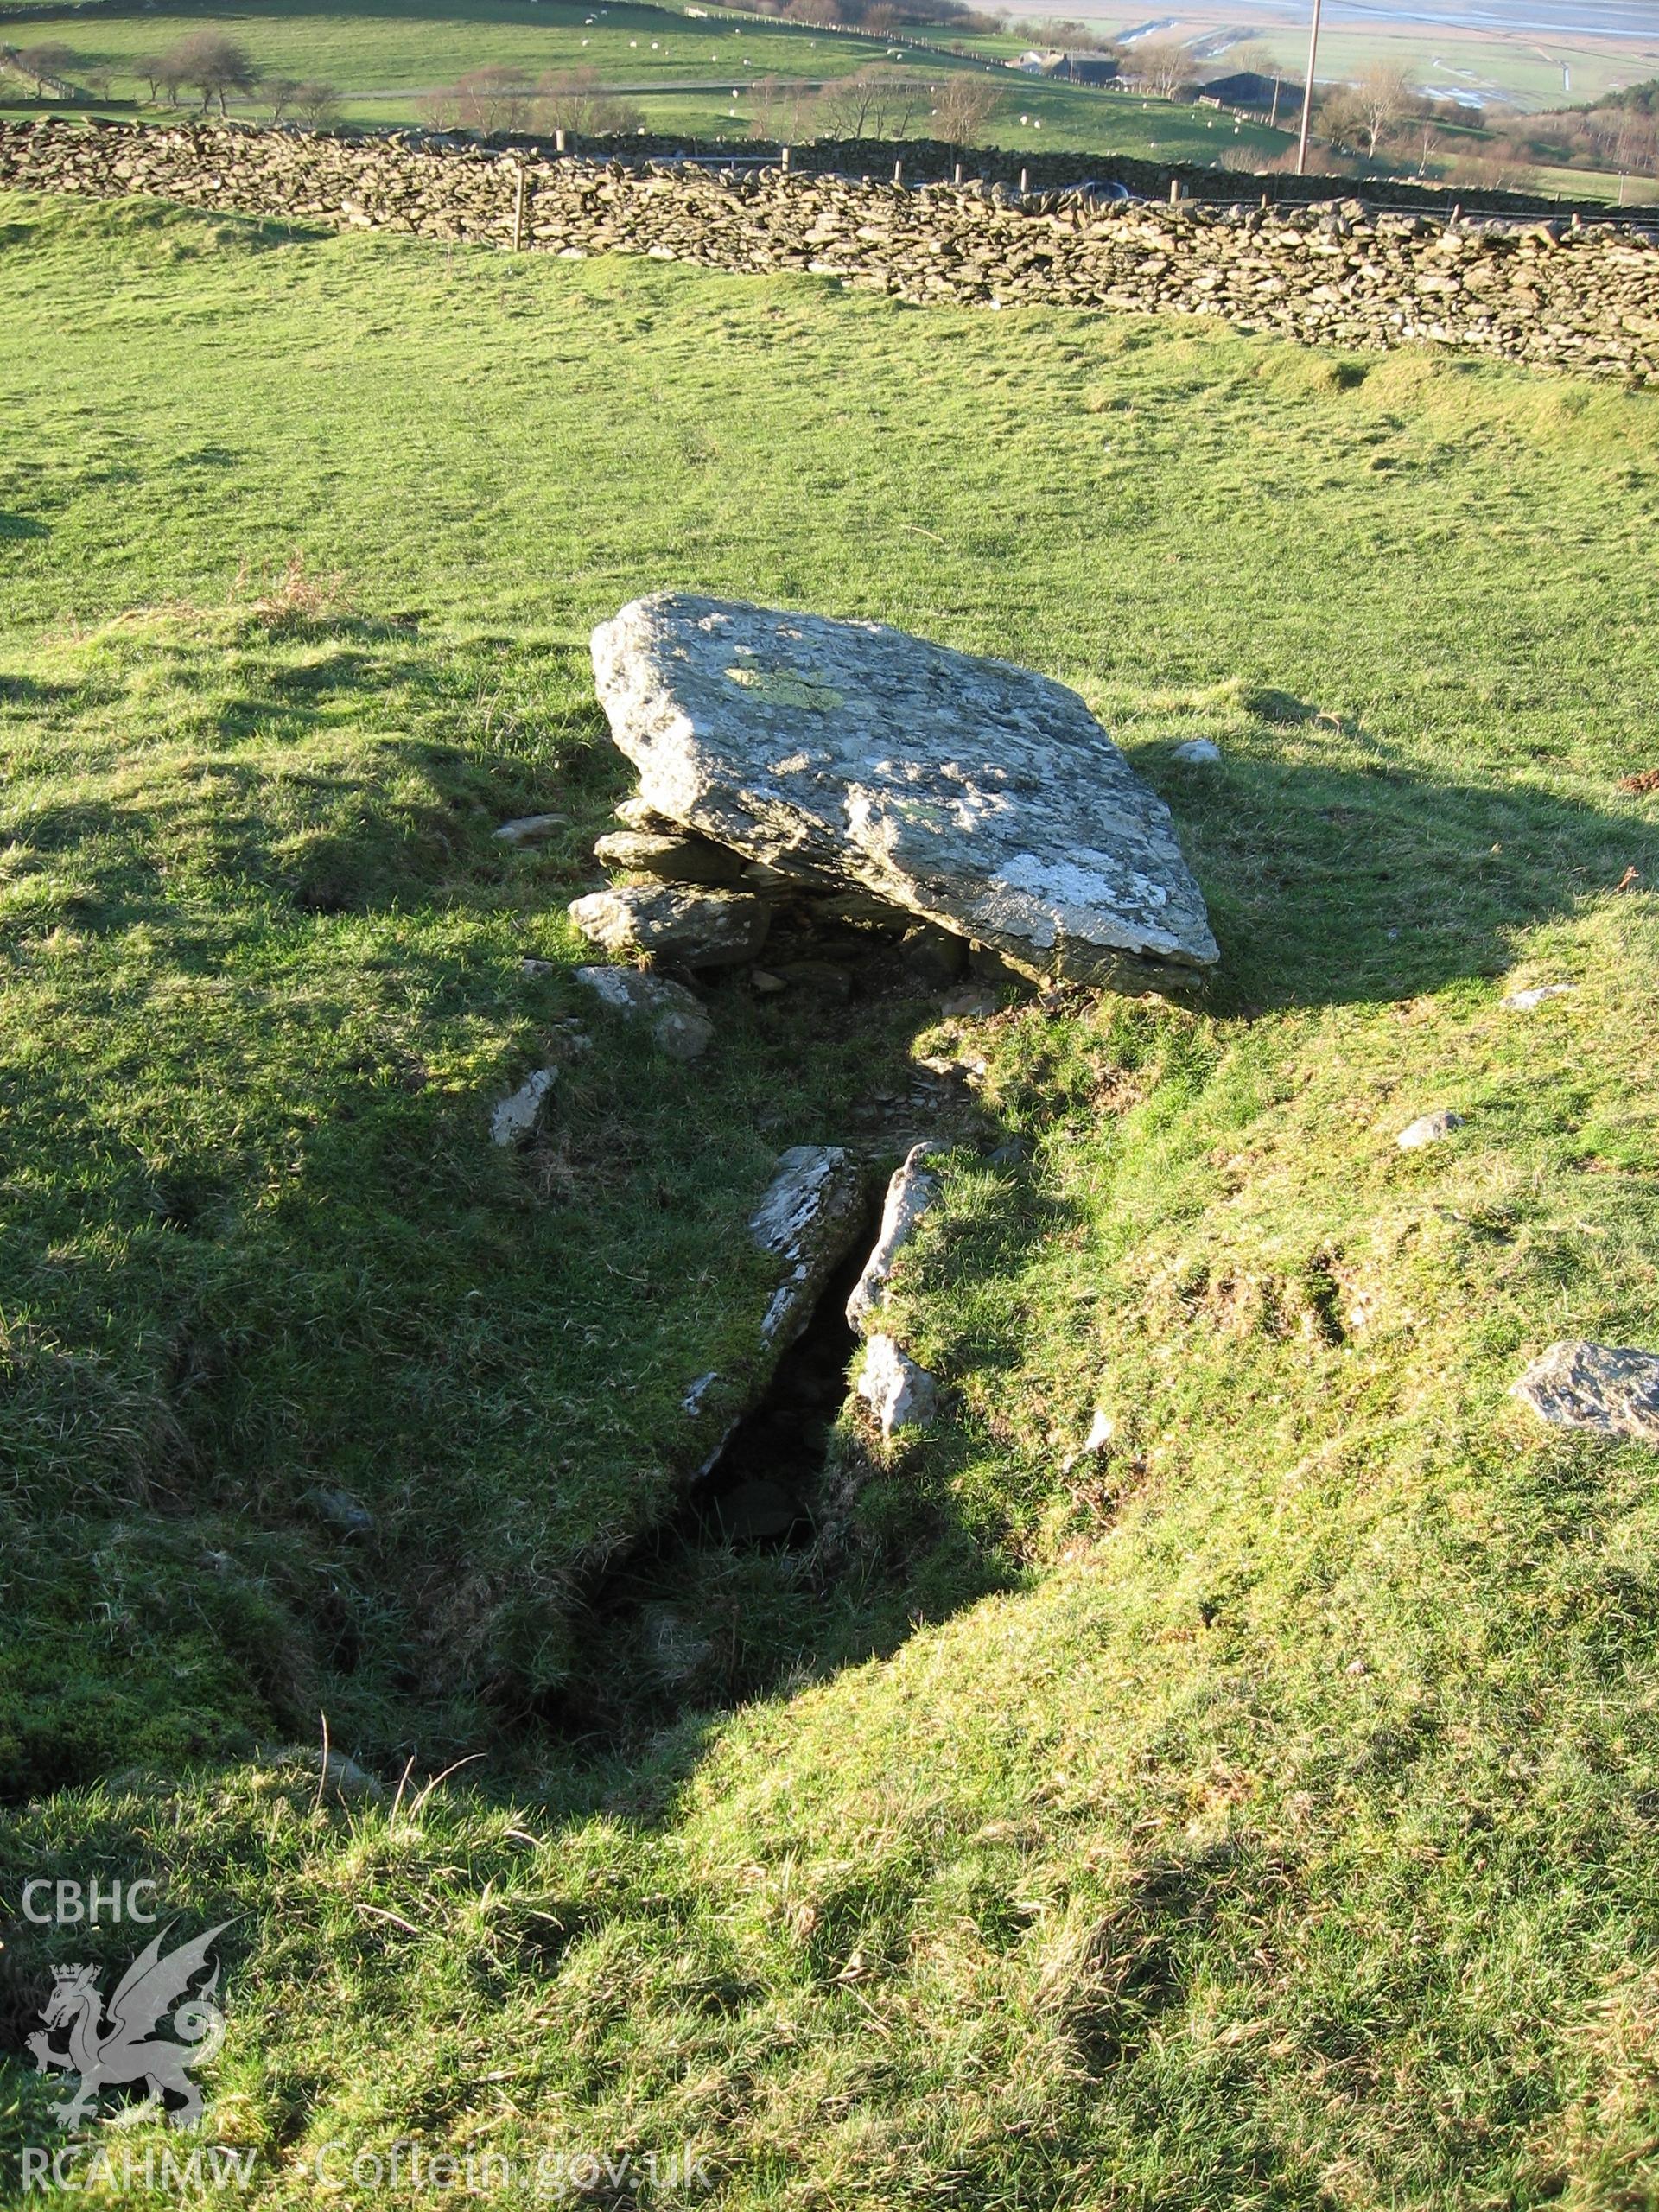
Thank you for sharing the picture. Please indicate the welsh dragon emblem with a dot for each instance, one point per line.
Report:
(116, 2045)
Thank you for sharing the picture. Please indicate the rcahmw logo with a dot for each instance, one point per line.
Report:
(161, 2023)
(102, 2167)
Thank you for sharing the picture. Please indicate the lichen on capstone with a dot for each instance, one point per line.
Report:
(981, 797)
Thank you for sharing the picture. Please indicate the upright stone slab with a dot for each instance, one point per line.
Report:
(977, 795)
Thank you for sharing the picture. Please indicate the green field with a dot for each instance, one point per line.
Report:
(1258, 1813)
(382, 57)
(386, 58)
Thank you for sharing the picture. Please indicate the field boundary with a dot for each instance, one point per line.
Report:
(1571, 295)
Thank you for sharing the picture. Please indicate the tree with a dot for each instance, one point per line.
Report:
(1070, 36)
(317, 104)
(166, 74)
(777, 115)
(493, 99)
(280, 91)
(962, 105)
(216, 64)
(45, 64)
(1342, 118)
(870, 104)
(575, 100)
(1382, 98)
(1159, 66)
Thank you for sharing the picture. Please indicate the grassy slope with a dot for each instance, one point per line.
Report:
(382, 55)
(1287, 1837)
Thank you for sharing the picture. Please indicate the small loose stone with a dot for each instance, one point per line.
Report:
(514, 1118)
(899, 1393)
(1524, 1001)
(1428, 1129)
(530, 828)
(1610, 1391)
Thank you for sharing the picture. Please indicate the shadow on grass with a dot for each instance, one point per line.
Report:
(1328, 885)
(25, 691)
(16, 527)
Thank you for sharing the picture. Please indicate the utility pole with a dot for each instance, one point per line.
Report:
(1307, 95)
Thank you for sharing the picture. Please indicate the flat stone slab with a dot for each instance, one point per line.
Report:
(1525, 1002)
(704, 929)
(1610, 1390)
(670, 859)
(975, 794)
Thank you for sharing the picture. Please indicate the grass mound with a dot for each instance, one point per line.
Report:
(1256, 1809)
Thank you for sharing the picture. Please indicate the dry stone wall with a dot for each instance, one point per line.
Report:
(1521, 289)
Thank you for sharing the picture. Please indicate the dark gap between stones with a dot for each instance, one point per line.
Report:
(710, 1608)
(763, 1489)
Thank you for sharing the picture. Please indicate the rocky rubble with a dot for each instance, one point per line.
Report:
(1521, 289)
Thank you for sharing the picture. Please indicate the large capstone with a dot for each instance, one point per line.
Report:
(977, 795)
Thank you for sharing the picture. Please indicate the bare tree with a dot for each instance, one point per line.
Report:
(317, 104)
(169, 73)
(573, 99)
(45, 64)
(962, 105)
(496, 98)
(776, 115)
(870, 104)
(1065, 32)
(1625, 138)
(1381, 99)
(280, 91)
(1256, 55)
(216, 64)
(1159, 66)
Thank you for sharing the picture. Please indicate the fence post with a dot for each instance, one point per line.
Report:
(898, 172)
(785, 161)
(518, 210)
(1023, 174)
(558, 142)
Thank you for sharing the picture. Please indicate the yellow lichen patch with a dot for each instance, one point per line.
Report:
(780, 688)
